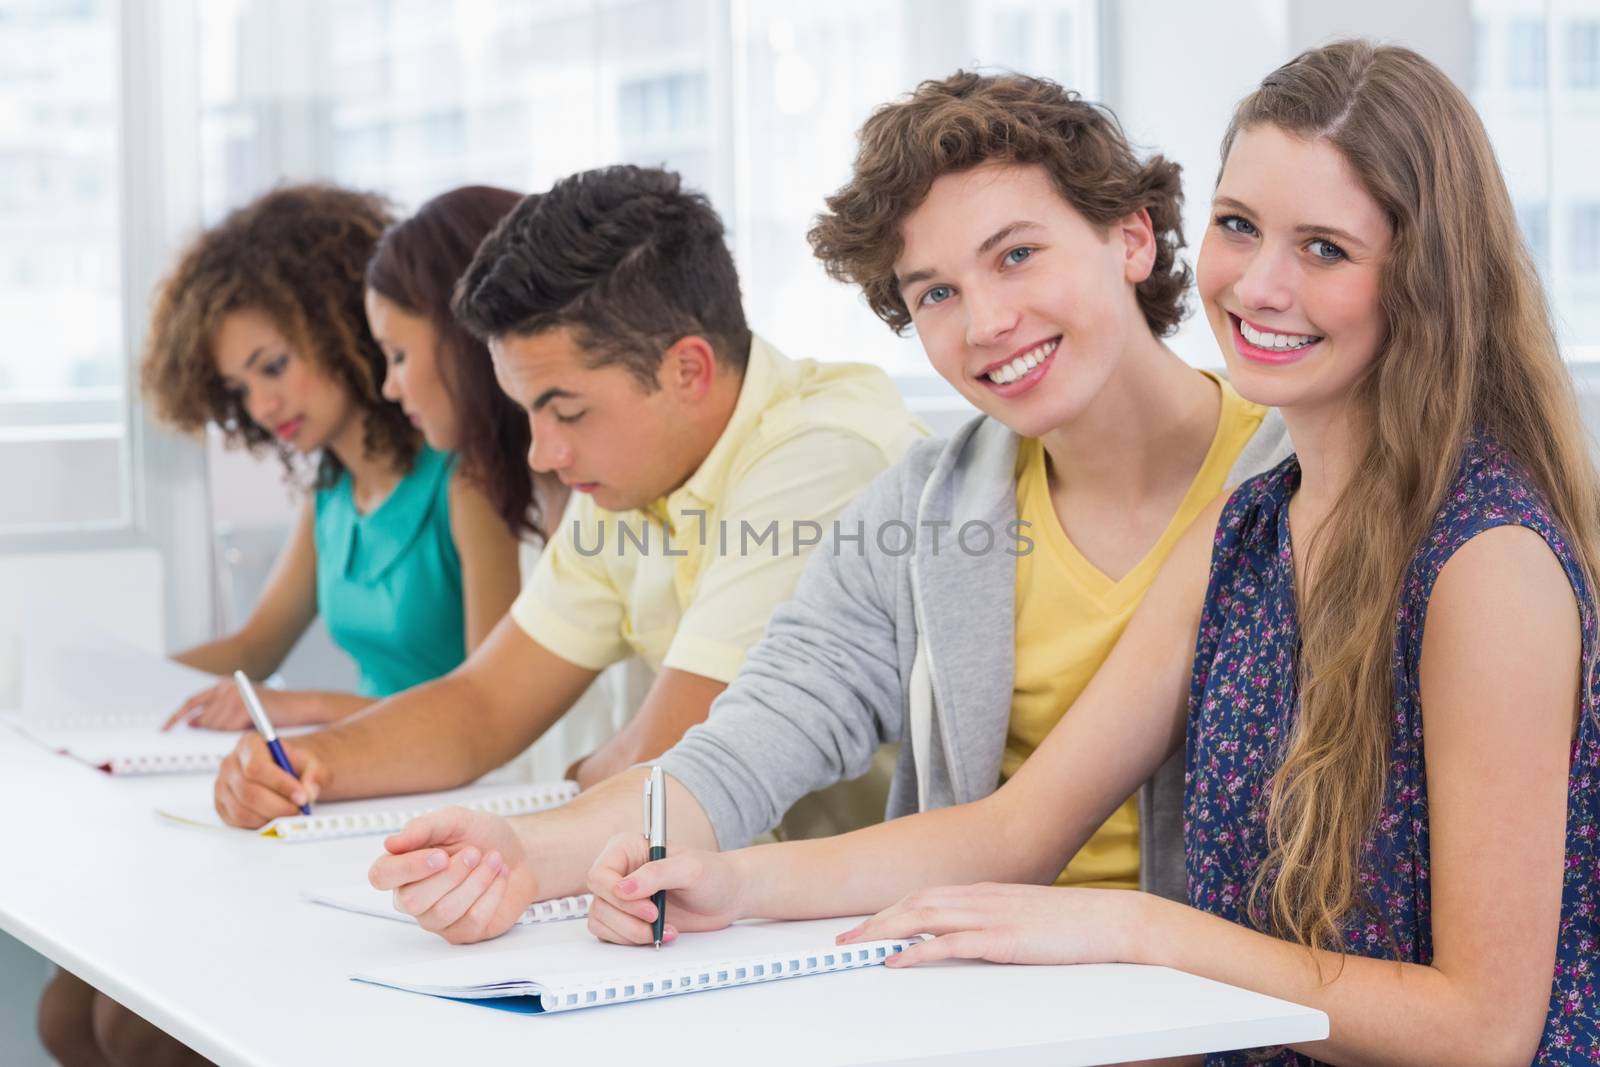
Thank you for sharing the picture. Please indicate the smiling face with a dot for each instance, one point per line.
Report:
(411, 353)
(1291, 268)
(278, 388)
(596, 428)
(1021, 303)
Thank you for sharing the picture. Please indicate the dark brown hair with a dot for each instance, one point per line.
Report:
(296, 255)
(416, 267)
(625, 256)
(1469, 349)
(966, 120)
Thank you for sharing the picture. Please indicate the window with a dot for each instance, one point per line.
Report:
(1585, 240)
(1543, 131)
(755, 104)
(1583, 54)
(63, 400)
(1527, 54)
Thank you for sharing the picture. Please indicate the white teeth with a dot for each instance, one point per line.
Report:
(1007, 373)
(1281, 341)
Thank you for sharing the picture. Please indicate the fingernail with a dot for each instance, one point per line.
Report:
(493, 860)
(668, 934)
(470, 858)
(299, 797)
(437, 860)
(627, 885)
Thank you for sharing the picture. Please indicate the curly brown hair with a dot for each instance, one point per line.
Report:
(968, 119)
(298, 255)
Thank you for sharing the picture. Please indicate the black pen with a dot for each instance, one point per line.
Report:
(655, 832)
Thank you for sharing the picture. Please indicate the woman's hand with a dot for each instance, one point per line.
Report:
(221, 707)
(703, 891)
(1012, 924)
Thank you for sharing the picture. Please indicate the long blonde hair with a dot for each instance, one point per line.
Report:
(1469, 349)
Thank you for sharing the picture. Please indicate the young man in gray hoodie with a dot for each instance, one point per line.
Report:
(967, 596)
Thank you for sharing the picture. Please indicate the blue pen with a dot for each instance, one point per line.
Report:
(258, 715)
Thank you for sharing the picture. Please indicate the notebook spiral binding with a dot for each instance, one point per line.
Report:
(169, 763)
(521, 802)
(670, 981)
(557, 909)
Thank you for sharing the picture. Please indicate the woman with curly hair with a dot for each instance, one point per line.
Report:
(408, 555)
(262, 330)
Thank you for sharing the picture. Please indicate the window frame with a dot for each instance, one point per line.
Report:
(165, 481)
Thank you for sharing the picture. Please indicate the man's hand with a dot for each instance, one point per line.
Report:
(462, 874)
(251, 790)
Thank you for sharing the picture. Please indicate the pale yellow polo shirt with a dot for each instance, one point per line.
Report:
(1070, 614)
(804, 439)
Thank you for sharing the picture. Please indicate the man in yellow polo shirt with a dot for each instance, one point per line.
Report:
(705, 465)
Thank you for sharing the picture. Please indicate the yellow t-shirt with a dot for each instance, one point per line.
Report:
(1069, 615)
(688, 582)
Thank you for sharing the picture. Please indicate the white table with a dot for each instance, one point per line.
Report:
(204, 934)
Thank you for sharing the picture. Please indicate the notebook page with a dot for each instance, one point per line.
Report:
(75, 676)
(383, 815)
(365, 900)
(576, 971)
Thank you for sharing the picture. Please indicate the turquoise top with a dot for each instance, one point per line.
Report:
(389, 582)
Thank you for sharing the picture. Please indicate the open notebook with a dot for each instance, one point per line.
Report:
(365, 900)
(383, 815)
(98, 699)
(572, 970)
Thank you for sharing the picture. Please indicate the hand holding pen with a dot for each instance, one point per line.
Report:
(258, 715)
(709, 890)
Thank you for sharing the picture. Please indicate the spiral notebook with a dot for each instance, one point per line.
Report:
(100, 700)
(383, 815)
(365, 900)
(570, 970)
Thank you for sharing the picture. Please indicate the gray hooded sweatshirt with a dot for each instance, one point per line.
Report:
(902, 630)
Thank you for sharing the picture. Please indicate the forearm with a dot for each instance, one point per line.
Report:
(222, 656)
(435, 736)
(562, 844)
(326, 706)
(862, 872)
(1380, 1012)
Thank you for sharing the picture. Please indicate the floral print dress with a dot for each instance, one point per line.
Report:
(1242, 705)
